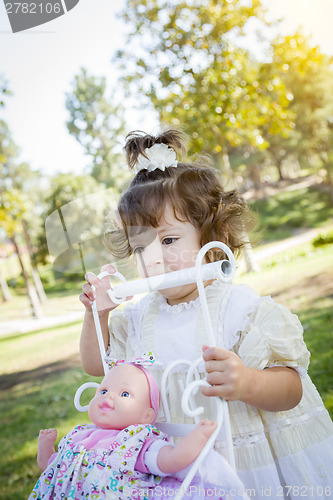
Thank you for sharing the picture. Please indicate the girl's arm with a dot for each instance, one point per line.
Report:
(172, 459)
(89, 349)
(273, 389)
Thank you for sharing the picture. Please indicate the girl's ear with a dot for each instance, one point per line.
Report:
(149, 416)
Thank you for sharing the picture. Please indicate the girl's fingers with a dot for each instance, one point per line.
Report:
(91, 278)
(85, 300)
(212, 391)
(215, 353)
(215, 378)
(215, 366)
(109, 268)
(88, 291)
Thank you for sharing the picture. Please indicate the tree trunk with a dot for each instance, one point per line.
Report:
(35, 274)
(251, 265)
(255, 176)
(4, 289)
(32, 294)
(278, 165)
(222, 162)
(39, 285)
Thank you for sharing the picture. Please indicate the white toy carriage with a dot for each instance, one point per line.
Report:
(223, 270)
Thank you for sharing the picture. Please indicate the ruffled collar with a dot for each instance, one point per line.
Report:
(183, 306)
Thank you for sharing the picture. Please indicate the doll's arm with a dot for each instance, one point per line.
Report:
(176, 458)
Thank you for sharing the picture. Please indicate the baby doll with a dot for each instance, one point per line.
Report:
(121, 450)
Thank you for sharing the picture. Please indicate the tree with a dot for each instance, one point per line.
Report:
(3, 92)
(98, 125)
(12, 209)
(196, 78)
(20, 178)
(308, 77)
(15, 205)
(76, 209)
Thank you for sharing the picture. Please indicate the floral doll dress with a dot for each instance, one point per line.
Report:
(78, 473)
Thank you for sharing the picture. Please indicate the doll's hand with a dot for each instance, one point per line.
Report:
(103, 300)
(206, 427)
(225, 372)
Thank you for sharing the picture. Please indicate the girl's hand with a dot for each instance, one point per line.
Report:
(103, 300)
(225, 372)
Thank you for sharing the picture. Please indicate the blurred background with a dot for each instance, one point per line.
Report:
(249, 81)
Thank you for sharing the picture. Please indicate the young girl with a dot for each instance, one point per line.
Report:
(122, 453)
(282, 433)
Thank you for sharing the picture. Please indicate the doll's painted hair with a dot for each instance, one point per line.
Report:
(193, 189)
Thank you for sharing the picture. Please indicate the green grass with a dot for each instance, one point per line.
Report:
(38, 348)
(62, 299)
(40, 374)
(282, 214)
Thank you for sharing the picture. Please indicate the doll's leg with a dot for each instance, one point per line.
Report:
(46, 440)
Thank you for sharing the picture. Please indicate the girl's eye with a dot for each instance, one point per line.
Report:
(168, 240)
(104, 391)
(125, 394)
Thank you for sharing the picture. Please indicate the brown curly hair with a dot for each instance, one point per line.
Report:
(193, 189)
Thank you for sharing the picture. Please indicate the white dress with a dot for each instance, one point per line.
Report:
(286, 454)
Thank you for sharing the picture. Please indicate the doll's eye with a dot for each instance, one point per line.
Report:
(104, 391)
(125, 394)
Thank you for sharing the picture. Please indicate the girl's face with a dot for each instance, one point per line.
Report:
(172, 246)
(122, 399)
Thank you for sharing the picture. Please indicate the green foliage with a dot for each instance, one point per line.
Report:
(323, 239)
(77, 209)
(198, 80)
(4, 90)
(68, 187)
(308, 77)
(12, 209)
(183, 58)
(20, 190)
(98, 125)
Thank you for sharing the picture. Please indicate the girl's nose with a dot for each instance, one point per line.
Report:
(153, 255)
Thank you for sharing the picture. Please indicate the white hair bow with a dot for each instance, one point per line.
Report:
(158, 156)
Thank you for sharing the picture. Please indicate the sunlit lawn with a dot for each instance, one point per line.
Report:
(287, 211)
(41, 370)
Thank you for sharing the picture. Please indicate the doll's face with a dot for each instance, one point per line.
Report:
(122, 399)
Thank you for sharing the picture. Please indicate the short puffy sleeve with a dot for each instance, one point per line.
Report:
(125, 329)
(273, 336)
(118, 328)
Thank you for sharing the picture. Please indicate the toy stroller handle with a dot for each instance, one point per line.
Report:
(222, 269)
